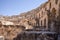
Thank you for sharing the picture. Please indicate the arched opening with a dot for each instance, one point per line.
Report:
(53, 20)
(44, 23)
(50, 5)
(56, 1)
(53, 14)
(54, 11)
(0, 24)
(59, 12)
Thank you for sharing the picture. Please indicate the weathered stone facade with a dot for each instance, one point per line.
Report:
(49, 15)
(10, 31)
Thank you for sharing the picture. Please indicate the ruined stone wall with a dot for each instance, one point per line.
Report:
(51, 9)
(10, 31)
(44, 16)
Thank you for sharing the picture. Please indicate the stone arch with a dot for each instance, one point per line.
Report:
(50, 5)
(53, 12)
(56, 1)
(0, 24)
(59, 9)
(53, 20)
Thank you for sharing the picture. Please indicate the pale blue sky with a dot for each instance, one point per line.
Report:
(14, 7)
